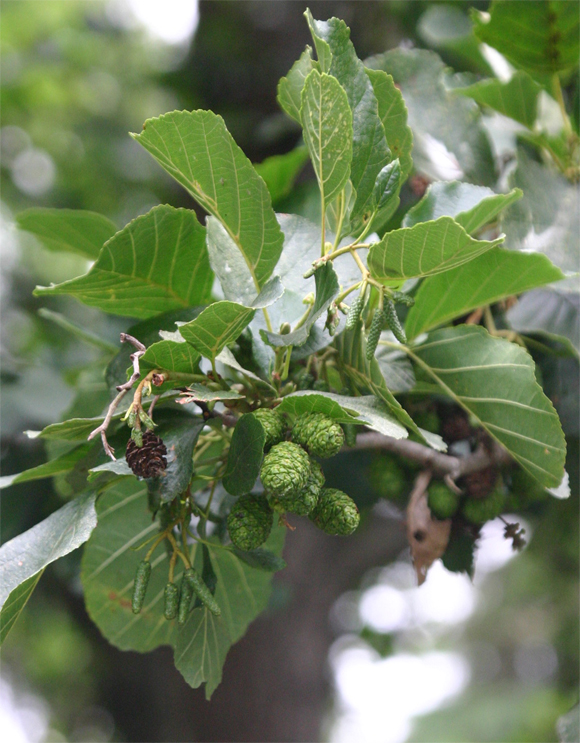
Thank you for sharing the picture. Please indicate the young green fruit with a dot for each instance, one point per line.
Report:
(285, 469)
(193, 580)
(302, 503)
(354, 311)
(480, 510)
(387, 478)
(335, 513)
(320, 435)
(392, 320)
(443, 504)
(273, 424)
(171, 601)
(140, 586)
(250, 522)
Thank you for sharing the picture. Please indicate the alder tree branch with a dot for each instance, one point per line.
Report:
(122, 389)
(447, 466)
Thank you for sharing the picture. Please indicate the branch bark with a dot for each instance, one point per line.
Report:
(444, 465)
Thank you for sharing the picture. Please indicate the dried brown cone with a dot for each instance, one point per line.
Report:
(479, 484)
(456, 428)
(147, 460)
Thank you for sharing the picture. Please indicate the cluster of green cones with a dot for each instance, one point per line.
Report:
(294, 481)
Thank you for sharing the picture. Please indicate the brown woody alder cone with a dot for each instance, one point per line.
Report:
(456, 428)
(147, 460)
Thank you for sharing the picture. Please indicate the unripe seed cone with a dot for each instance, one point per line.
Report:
(273, 424)
(302, 503)
(285, 470)
(317, 433)
(443, 504)
(335, 513)
(480, 510)
(171, 601)
(250, 522)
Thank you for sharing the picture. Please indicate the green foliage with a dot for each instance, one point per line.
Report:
(155, 264)
(159, 568)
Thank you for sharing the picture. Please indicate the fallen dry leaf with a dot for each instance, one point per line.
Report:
(428, 537)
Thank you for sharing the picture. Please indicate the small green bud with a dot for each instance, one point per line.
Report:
(443, 503)
(171, 601)
(250, 521)
(374, 334)
(273, 424)
(285, 469)
(317, 433)
(335, 513)
(285, 328)
(137, 436)
(140, 585)
(480, 510)
(196, 584)
(186, 594)
(392, 320)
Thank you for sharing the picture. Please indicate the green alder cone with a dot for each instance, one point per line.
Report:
(250, 522)
(304, 380)
(387, 478)
(480, 510)
(318, 434)
(443, 504)
(285, 470)
(374, 333)
(140, 586)
(335, 513)
(273, 424)
(320, 385)
(171, 601)
(302, 503)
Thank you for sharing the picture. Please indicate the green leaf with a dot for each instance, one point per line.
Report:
(517, 99)
(245, 455)
(470, 206)
(219, 324)
(327, 288)
(158, 262)
(201, 648)
(57, 466)
(366, 376)
(15, 603)
(108, 571)
(395, 368)
(368, 410)
(204, 394)
(280, 171)
(549, 313)
(179, 434)
(547, 219)
(29, 553)
(227, 358)
(540, 37)
(370, 152)
(243, 592)
(487, 279)
(75, 429)
(199, 152)
(568, 726)
(494, 381)
(111, 468)
(82, 333)
(327, 127)
(72, 230)
(393, 114)
(171, 356)
(290, 87)
(425, 249)
(449, 139)
(270, 293)
(260, 559)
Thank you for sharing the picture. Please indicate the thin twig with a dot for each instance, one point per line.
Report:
(122, 389)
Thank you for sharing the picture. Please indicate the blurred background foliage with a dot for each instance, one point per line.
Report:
(76, 77)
